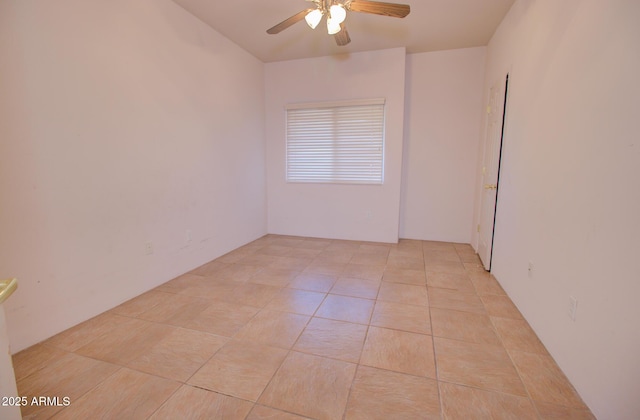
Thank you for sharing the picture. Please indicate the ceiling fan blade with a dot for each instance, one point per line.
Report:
(342, 37)
(288, 22)
(380, 8)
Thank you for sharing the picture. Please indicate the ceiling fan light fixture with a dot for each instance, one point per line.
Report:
(333, 27)
(313, 18)
(338, 13)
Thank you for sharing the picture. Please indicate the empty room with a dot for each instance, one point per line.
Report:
(323, 209)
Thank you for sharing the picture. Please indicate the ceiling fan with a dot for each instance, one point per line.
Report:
(336, 13)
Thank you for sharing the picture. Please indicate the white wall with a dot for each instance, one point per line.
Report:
(569, 198)
(325, 210)
(442, 119)
(121, 122)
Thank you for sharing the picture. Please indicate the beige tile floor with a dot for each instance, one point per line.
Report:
(289, 328)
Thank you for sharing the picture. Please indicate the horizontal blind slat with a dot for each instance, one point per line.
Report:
(336, 143)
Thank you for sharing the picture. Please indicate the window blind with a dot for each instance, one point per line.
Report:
(336, 142)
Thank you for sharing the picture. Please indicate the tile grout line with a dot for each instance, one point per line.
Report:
(366, 334)
(289, 350)
(433, 340)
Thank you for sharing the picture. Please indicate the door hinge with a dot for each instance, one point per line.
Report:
(478, 228)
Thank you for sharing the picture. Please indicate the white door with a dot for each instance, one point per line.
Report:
(491, 168)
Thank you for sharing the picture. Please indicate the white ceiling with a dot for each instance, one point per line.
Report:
(432, 25)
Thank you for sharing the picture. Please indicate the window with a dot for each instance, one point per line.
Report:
(336, 142)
